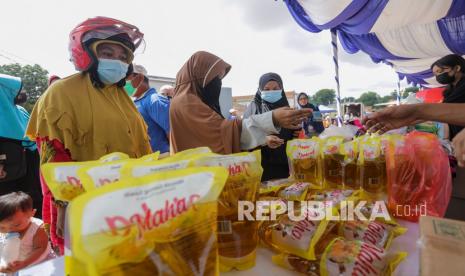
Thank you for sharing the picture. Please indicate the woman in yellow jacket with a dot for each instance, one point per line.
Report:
(88, 114)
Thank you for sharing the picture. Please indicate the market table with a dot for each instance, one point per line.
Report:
(264, 266)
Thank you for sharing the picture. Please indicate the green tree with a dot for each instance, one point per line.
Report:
(369, 98)
(34, 79)
(386, 99)
(348, 100)
(412, 89)
(324, 97)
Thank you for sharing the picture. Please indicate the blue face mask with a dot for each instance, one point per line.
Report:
(271, 96)
(111, 71)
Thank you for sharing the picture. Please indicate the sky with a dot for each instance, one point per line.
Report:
(254, 36)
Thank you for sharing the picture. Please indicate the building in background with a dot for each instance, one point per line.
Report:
(157, 82)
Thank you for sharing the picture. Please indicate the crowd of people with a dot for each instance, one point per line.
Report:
(108, 106)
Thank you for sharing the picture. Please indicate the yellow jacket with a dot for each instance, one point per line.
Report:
(90, 122)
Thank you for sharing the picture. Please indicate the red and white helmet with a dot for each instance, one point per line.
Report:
(100, 28)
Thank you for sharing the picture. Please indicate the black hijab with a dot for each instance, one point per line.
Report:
(264, 79)
(210, 94)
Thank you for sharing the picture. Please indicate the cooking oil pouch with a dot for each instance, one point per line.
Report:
(115, 156)
(62, 179)
(195, 151)
(272, 187)
(304, 160)
(374, 232)
(350, 174)
(376, 210)
(175, 162)
(334, 197)
(298, 264)
(372, 167)
(358, 258)
(150, 157)
(160, 224)
(269, 203)
(237, 239)
(95, 174)
(345, 258)
(295, 235)
(295, 192)
(332, 162)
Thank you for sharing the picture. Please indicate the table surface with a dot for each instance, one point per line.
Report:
(264, 266)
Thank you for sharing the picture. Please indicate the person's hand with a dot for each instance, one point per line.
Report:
(296, 133)
(60, 227)
(274, 142)
(2, 172)
(459, 147)
(392, 118)
(289, 118)
(12, 267)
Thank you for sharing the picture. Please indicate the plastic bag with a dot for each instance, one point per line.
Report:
(165, 226)
(347, 132)
(344, 258)
(419, 178)
(304, 160)
(332, 162)
(237, 240)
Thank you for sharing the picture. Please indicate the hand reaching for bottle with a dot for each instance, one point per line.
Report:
(274, 142)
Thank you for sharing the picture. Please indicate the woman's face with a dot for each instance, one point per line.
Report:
(303, 100)
(112, 51)
(271, 85)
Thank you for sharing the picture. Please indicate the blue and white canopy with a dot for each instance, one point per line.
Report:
(409, 35)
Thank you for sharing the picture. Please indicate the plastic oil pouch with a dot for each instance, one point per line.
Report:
(297, 235)
(295, 192)
(115, 156)
(334, 197)
(332, 162)
(350, 173)
(345, 258)
(304, 160)
(62, 179)
(272, 187)
(160, 224)
(237, 239)
(95, 175)
(377, 233)
(372, 166)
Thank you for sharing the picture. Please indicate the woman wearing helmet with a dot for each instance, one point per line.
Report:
(87, 115)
